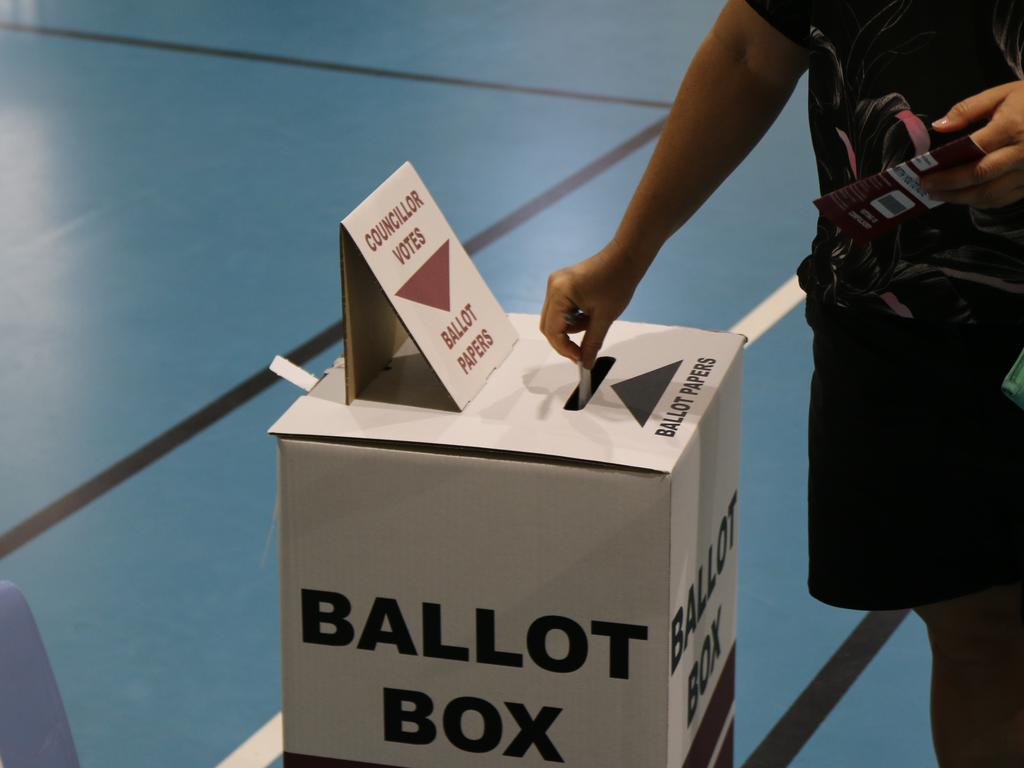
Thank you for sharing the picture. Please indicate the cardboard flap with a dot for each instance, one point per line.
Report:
(402, 265)
(373, 331)
(643, 415)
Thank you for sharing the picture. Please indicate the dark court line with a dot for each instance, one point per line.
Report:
(71, 502)
(819, 698)
(548, 198)
(47, 517)
(331, 66)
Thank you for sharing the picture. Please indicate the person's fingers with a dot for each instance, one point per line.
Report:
(588, 288)
(553, 316)
(552, 320)
(565, 346)
(1006, 128)
(973, 108)
(560, 341)
(988, 168)
(1006, 190)
(593, 339)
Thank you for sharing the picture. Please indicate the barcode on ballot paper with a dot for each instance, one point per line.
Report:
(892, 205)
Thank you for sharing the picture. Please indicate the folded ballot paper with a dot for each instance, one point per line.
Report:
(868, 208)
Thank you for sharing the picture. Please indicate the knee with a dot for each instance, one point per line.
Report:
(983, 644)
(976, 633)
(1017, 735)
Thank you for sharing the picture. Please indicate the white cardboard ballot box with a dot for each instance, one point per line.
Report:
(515, 584)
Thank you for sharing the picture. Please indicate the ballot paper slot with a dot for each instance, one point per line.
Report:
(597, 374)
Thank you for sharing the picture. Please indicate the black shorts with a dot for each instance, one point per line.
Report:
(916, 478)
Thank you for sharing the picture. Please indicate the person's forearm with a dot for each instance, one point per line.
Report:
(720, 113)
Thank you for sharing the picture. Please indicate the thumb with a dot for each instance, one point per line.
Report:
(597, 329)
(972, 109)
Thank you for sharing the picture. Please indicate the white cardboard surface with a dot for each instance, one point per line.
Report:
(522, 539)
(450, 534)
(431, 282)
(520, 410)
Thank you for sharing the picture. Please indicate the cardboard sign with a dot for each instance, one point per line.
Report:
(868, 208)
(401, 262)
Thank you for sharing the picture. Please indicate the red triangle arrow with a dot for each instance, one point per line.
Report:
(429, 285)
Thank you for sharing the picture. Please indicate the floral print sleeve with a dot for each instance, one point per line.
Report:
(791, 17)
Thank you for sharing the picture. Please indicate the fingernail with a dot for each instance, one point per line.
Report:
(942, 122)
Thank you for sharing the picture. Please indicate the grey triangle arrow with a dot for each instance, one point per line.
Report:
(641, 394)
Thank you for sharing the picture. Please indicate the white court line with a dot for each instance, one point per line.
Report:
(260, 749)
(266, 745)
(770, 311)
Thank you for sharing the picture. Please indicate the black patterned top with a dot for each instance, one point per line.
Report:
(880, 72)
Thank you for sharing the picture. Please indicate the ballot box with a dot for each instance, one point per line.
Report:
(513, 581)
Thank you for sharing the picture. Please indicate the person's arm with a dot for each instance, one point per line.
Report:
(735, 87)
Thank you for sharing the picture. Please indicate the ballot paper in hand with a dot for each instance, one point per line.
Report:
(573, 316)
(872, 206)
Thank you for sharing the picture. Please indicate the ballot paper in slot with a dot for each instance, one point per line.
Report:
(573, 317)
(583, 394)
(589, 382)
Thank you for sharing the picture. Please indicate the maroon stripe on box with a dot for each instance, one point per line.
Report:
(295, 760)
(703, 746)
(725, 756)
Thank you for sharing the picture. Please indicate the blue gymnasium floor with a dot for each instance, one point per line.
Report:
(169, 222)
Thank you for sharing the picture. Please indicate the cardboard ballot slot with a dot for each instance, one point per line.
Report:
(406, 275)
(516, 582)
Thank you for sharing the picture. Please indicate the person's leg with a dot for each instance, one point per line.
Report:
(977, 700)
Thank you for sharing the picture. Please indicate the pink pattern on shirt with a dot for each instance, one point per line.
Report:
(849, 151)
(917, 130)
(896, 305)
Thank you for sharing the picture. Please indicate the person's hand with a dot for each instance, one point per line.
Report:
(601, 287)
(997, 179)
